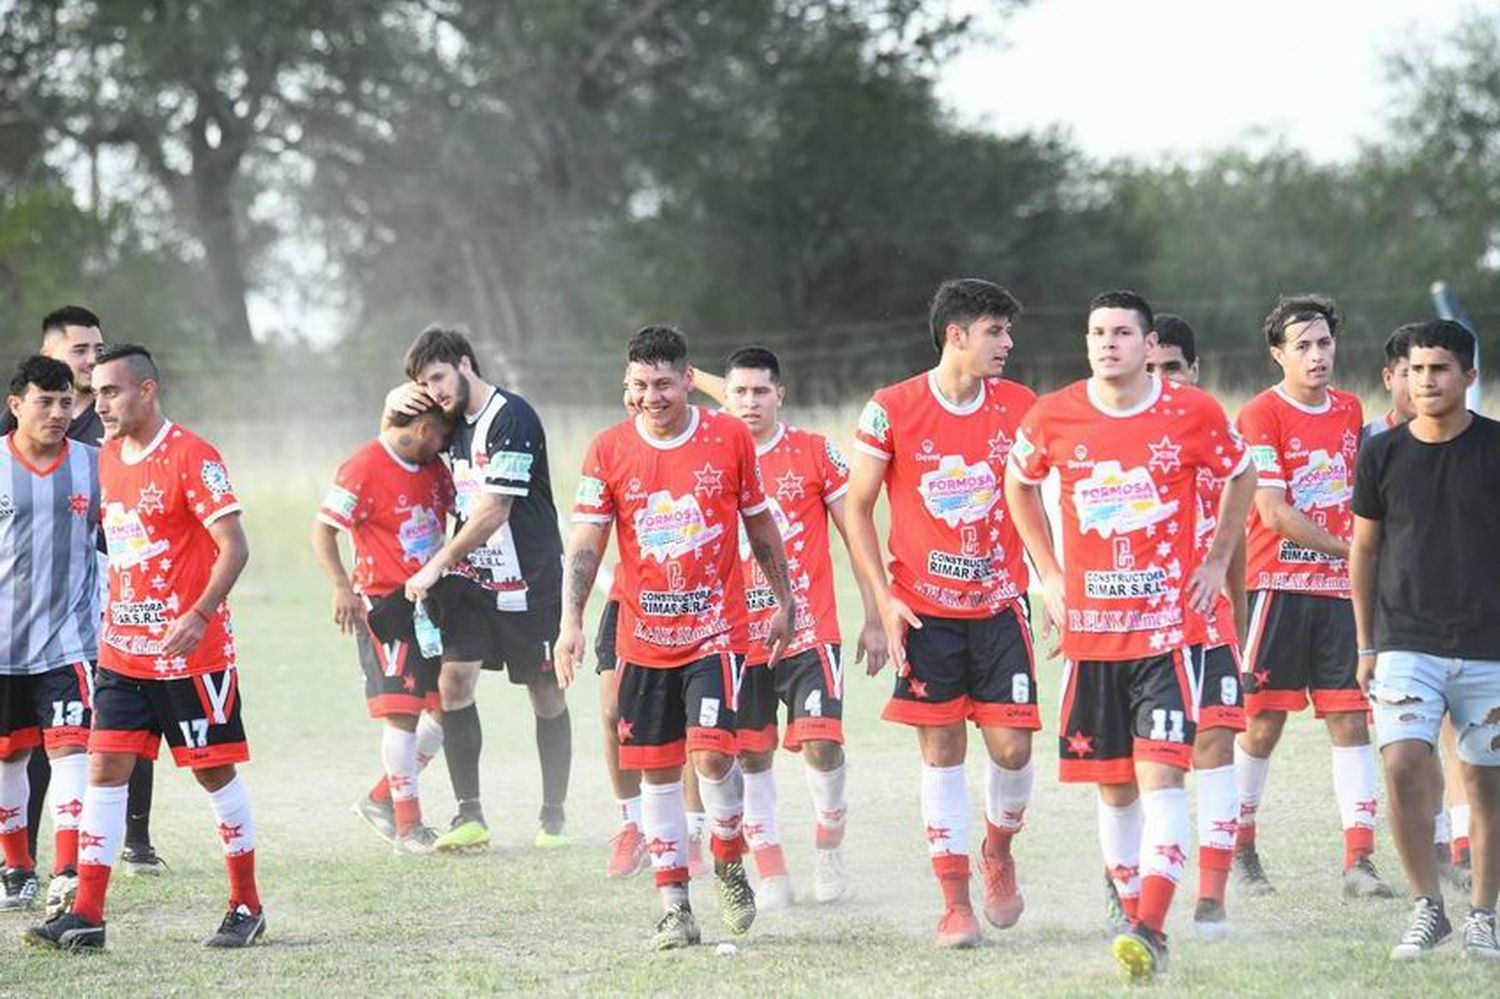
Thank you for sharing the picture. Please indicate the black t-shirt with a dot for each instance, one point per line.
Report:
(85, 427)
(1439, 569)
(503, 450)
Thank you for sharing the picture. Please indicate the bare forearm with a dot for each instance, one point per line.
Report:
(325, 545)
(864, 553)
(765, 545)
(1234, 585)
(1297, 527)
(1030, 516)
(477, 530)
(1234, 508)
(231, 561)
(579, 574)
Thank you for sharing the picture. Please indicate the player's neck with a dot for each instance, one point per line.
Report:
(479, 396)
(956, 385)
(36, 453)
(141, 437)
(767, 433)
(1307, 395)
(1123, 393)
(82, 403)
(399, 440)
(1442, 428)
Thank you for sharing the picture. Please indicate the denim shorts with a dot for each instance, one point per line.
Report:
(1411, 690)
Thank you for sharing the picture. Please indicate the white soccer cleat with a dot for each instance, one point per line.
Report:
(830, 876)
(774, 892)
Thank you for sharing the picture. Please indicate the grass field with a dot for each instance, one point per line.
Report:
(347, 917)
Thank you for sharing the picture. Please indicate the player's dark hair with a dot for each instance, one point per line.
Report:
(432, 412)
(1291, 309)
(1398, 344)
(141, 363)
(46, 373)
(1447, 334)
(965, 301)
(69, 315)
(437, 344)
(756, 359)
(1123, 298)
(1174, 331)
(658, 345)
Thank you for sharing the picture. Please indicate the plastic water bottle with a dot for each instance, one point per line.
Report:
(429, 639)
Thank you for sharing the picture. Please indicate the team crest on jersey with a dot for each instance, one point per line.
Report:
(668, 528)
(1265, 457)
(1113, 501)
(216, 479)
(1322, 483)
(959, 493)
(874, 421)
(1023, 448)
(590, 491)
(341, 501)
(835, 456)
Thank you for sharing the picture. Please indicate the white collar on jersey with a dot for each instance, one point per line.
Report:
(1304, 407)
(161, 435)
(494, 394)
(396, 457)
(948, 404)
(1135, 410)
(678, 441)
(762, 450)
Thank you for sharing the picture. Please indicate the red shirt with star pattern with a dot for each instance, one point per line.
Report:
(804, 473)
(954, 551)
(1219, 627)
(676, 506)
(1307, 452)
(158, 505)
(1129, 510)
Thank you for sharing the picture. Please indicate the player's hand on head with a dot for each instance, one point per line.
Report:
(409, 398)
(183, 634)
(348, 610)
(873, 648)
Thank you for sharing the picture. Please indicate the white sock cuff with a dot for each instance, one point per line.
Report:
(70, 779)
(661, 790)
(1119, 811)
(1459, 817)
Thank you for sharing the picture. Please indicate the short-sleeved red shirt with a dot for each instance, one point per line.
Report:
(1219, 626)
(1130, 510)
(954, 550)
(1309, 452)
(676, 506)
(158, 505)
(394, 512)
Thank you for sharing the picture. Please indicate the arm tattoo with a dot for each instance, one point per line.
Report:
(773, 563)
(583, 566)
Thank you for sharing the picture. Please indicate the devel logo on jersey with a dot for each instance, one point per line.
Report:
(1322, 483)
(1114, 501)
(668, 528)
(959, 493)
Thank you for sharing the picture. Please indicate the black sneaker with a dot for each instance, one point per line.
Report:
(140, 860)
(1141, 952)
(1364, 881)
(380, 815)
(1114, 912)
(1479, 936)
(20, 889)
(1425, 930)
(1249, 874)
(1210, 921)
(66, 932)
(240, 928)
(736, 897)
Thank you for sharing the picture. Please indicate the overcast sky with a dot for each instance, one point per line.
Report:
(1143, 77)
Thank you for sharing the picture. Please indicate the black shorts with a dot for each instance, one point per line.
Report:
(976, 668)
(51, 709)
(398, 679)
(665, 713)
(604, 639)
(1301, 647)
(810, 684)
(519, 642)
(1114, 713)
(1221, 694)
(199, 716)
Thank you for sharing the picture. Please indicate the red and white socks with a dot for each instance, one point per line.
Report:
(398, 751)
(429, 739)
(1218, 824)
(1354, 787)
(70, 779)
(1250, 774)
(231, 806)
(724, 803)
(830, 804)
(100, 835)
(427, 743)
(15, 792)
(665, 827)
(762, 835)
(1165, 839)
(1120, 842)
(945, 815)
(1006, 795)
(630, 812)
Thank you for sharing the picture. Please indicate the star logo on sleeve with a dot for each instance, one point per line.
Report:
(710, 480)
(789, 487)
(1165, 456)
(149, 501)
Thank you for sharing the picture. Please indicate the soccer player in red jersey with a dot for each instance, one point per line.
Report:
(1303, 436)
(1221, 707)
(392, 496)
(675, 481)
(806, 477)
(953, 609)
(1128, 448)
(167, 661)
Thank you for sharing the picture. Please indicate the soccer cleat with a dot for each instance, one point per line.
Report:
(1210, 921)
(830, 876)
(20, 889)
(240, 928)
(66, 932)
(1364, 881)
(381, 816)
(61, 891)
(141, 861)
(1141, 953)
(627, 855)
(958, 929)
(1003, 904)
(736, 898)
(1249, 874)
(465, 835)
(773, 893)
(1479, 936)
(1115, 917)
(697, 866)
(546, 840)
(676, 929)
(417, 841)
(1425, 930)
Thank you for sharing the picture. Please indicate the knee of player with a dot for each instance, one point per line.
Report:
(110, 769)
(712, 764)
(1348, 728)
(1012, 756)
(404, 722)
(547, 699)
(755, 763)
(822, 754)
(213, 779)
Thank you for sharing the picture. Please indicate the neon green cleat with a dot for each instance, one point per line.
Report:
(466, 836)
(550, 840)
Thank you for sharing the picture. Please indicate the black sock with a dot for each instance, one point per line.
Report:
(462, 739)
(554, 748)
(38, 775)
(138, 803)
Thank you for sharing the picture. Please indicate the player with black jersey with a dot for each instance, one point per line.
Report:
(497, 583)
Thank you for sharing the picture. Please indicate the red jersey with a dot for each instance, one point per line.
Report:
(1129, 510)
(676, 506)
(804, 474)
(1308, 452)
(1219, 627)
(394, 512)
(954, 551)
(158, 505)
